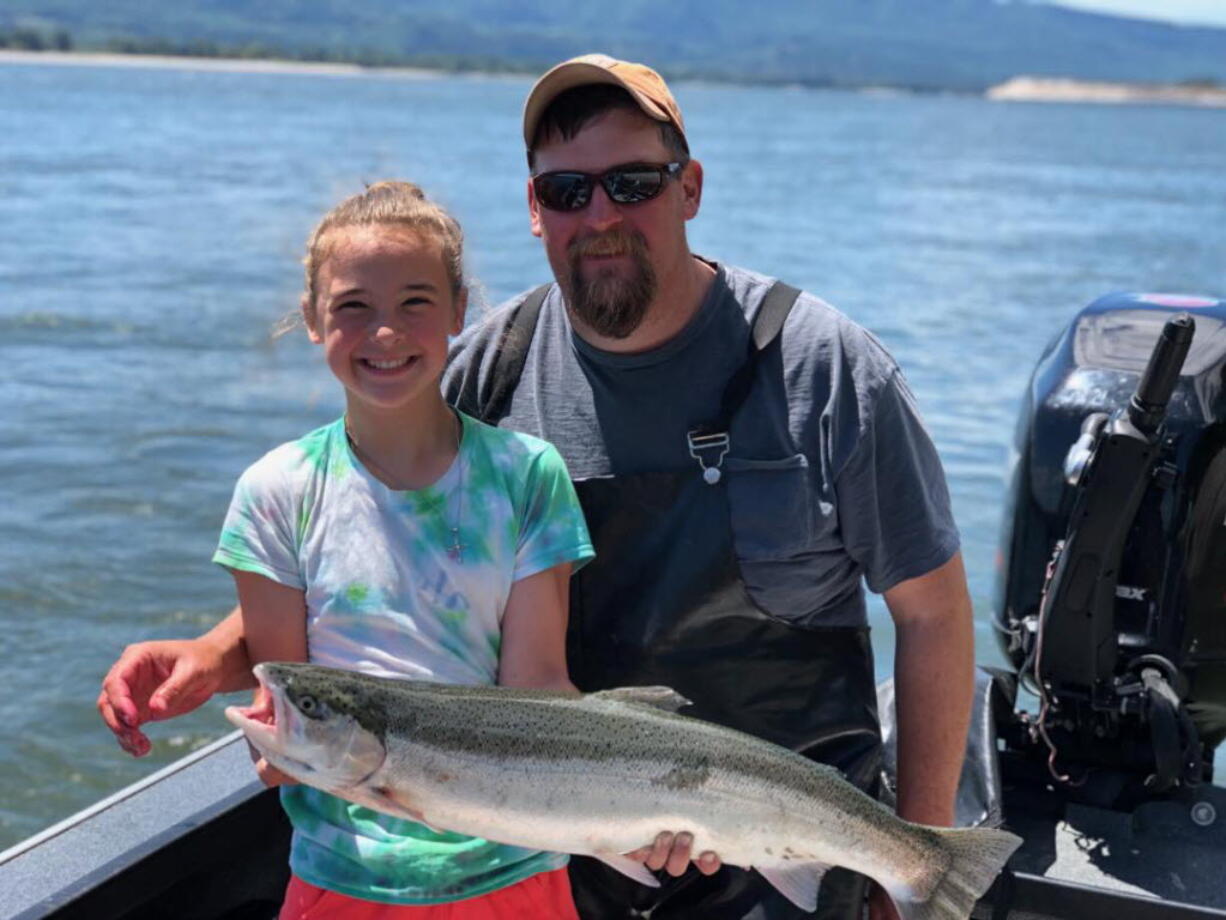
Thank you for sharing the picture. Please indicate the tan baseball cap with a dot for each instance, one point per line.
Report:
(643, 84)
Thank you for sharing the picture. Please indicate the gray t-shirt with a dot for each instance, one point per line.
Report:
(831, 476)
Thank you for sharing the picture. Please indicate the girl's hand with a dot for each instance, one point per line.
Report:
(269, 775)
(261, 710)
(671, 852)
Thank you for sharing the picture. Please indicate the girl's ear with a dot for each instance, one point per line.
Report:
(310, 319)
(461, 308)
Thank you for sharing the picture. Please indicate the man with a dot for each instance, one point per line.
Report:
(746, 458)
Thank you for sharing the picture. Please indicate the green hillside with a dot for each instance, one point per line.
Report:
(958, 44)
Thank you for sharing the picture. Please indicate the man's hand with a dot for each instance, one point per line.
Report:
(157, 680)
(168, 677)
(671, 852)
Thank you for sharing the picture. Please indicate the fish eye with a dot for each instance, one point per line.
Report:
(309, 705)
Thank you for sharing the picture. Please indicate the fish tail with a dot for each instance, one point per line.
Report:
(976, 857)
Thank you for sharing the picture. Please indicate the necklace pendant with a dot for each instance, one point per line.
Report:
(456, 549)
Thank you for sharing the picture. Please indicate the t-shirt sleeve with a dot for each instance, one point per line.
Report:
(259, 531)
(552, 530)
(894, 507)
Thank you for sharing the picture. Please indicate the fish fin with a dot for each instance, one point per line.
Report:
(798, 883)
(977, 856)
(660, 697)
(386, 800)
(628, 867)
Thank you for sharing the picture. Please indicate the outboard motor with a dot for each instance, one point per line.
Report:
(1111, 582)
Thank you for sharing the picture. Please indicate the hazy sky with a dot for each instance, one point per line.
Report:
(1204, 12)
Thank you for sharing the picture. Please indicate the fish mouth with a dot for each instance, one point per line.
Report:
(268, 729)
(334, 753)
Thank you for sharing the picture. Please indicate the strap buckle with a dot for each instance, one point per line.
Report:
(700, 441)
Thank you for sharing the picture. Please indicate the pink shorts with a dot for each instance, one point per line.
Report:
(545, 896)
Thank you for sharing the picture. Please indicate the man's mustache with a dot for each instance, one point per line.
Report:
(611, 243)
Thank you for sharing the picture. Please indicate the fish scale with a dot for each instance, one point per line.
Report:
(602, 774)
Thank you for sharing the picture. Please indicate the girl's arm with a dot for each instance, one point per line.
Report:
(274, 618)
(534, 632)
(274, 627)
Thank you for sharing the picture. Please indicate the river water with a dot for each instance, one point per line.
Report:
(151, 222)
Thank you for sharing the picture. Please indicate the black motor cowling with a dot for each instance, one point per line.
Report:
(1166, 623)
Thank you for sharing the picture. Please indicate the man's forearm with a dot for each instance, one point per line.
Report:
(932, 693)
(933, 688)
(227, 639)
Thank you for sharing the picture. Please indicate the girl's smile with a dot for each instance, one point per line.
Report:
(387, 368)
(387, 365)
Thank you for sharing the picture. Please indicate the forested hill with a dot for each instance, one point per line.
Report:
(957, 44)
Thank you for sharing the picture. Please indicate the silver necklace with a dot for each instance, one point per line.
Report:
(456, 549)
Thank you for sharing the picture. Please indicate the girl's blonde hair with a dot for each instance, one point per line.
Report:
(388, 204)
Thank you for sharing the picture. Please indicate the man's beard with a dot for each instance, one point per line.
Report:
(610, 304)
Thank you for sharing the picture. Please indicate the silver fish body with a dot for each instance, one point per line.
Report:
(601, 775)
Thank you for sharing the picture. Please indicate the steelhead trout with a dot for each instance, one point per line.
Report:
(600, 775)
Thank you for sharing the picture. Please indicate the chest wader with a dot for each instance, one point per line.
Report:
(664, 602)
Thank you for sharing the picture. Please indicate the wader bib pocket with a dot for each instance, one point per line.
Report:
(772, 505)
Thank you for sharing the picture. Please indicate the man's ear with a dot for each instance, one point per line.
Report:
(461, 308)
(534, 209)
(691, 188)
(310, 318)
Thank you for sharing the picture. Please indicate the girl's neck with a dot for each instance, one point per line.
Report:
(404, 450)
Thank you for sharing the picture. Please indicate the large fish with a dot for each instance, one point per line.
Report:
(601, 775)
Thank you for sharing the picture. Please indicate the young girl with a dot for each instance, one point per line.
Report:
(406, 540)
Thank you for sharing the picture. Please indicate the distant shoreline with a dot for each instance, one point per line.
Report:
(1049, 89)
(217, 64)
(268, 65)
(1017, 89)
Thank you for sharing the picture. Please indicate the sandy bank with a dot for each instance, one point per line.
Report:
(1047, 89)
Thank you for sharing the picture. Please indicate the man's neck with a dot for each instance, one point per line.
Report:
(670, 311)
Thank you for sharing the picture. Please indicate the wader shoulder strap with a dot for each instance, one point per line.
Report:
(710, 442)
(774, 311)
(510, 356)
(776, 306)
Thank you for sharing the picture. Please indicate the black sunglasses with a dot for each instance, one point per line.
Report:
(626, 184)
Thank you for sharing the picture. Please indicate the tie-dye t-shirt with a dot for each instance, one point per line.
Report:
(388, 594)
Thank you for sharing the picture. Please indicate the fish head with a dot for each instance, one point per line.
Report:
(322, 728)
